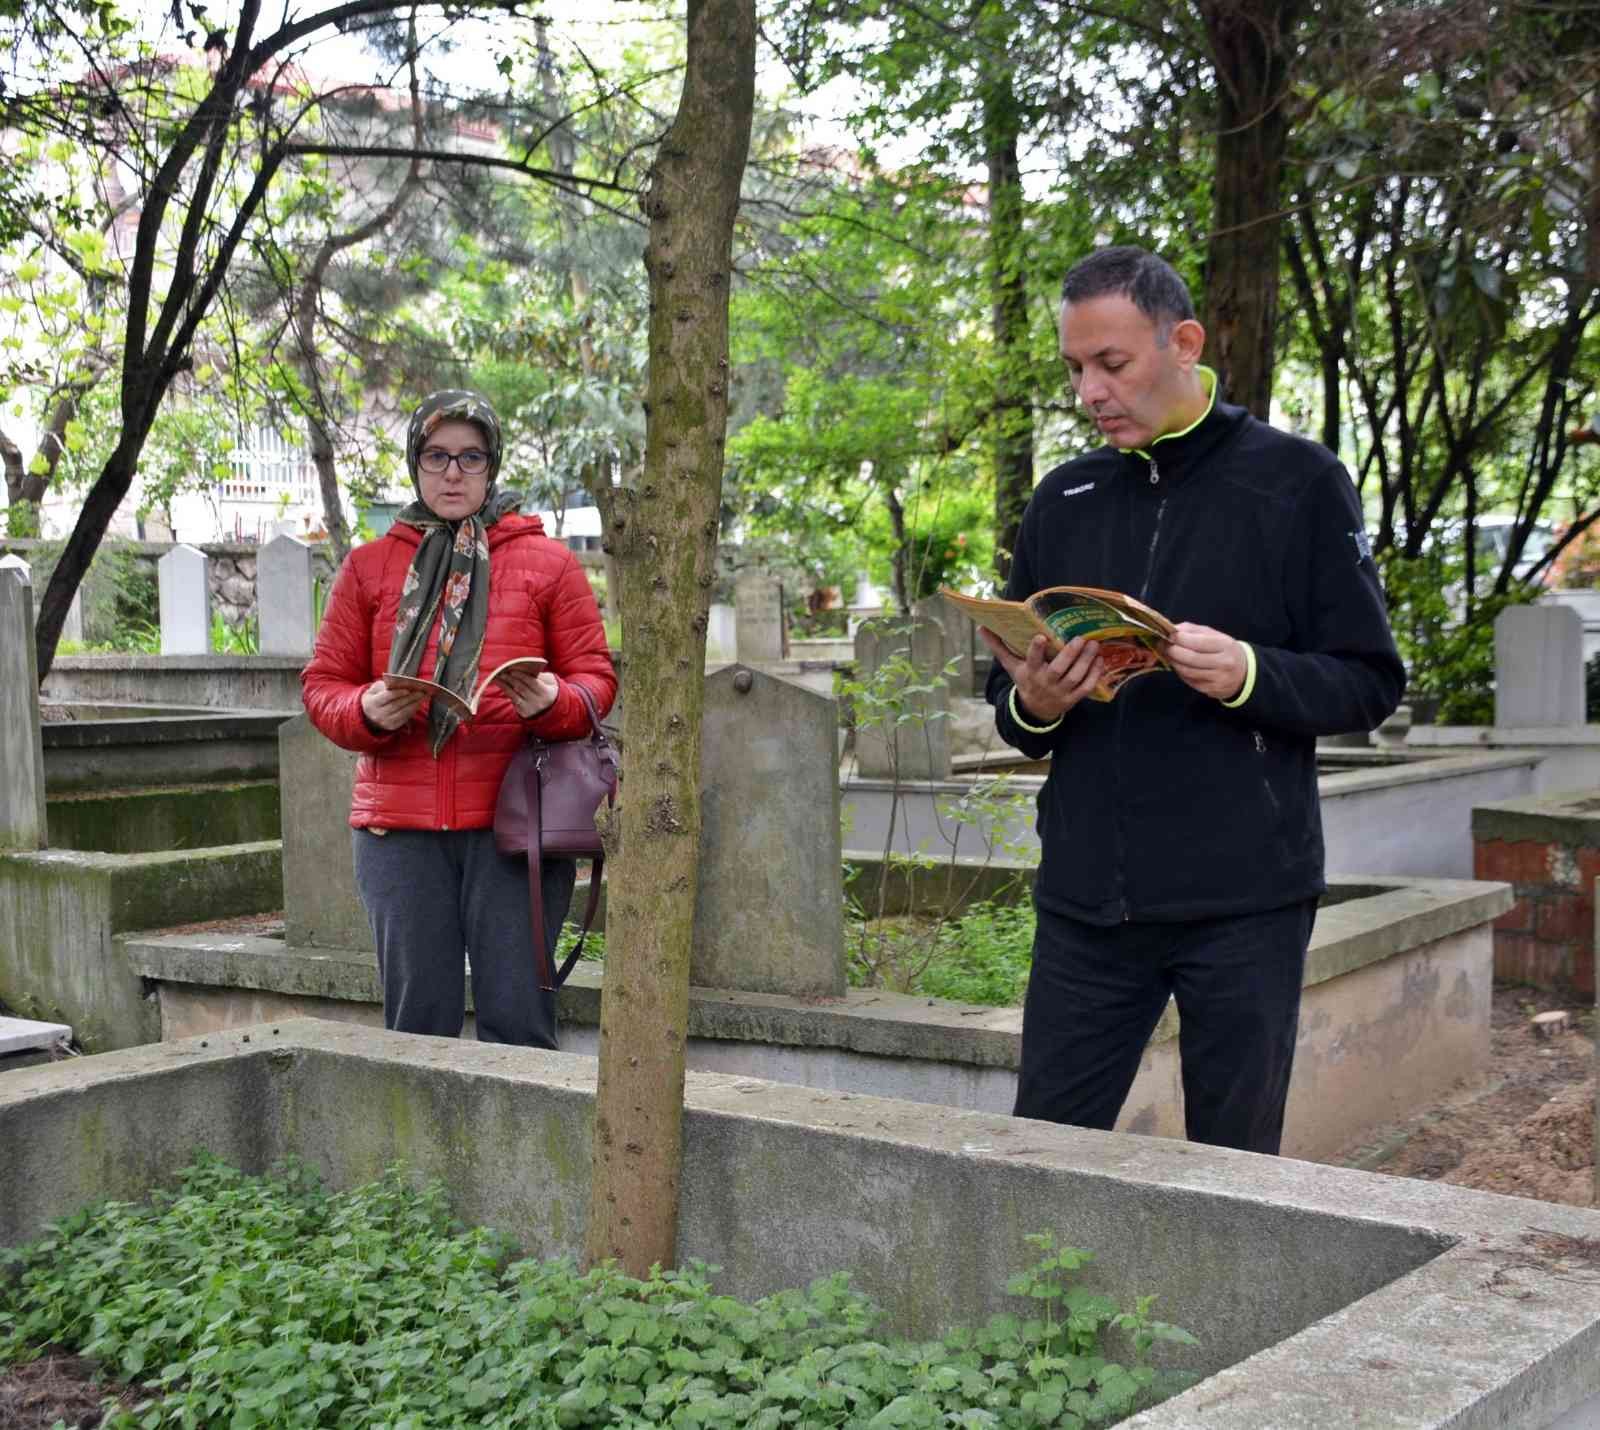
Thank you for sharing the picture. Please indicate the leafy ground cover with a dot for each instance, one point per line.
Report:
(242, 1301)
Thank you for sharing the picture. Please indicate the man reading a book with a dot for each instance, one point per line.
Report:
(1180, 831)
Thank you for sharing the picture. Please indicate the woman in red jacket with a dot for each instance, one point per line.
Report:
(460, 583)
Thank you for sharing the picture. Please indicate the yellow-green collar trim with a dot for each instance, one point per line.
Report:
(1207, 376)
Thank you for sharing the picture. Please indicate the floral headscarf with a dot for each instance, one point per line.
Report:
(451, 565)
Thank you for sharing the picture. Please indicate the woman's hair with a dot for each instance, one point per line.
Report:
(453, 404)
(1148, 282)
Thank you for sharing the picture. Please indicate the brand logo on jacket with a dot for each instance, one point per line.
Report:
(1363, 546)
(1078, 491)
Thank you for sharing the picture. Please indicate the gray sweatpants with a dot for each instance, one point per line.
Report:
(432, 896)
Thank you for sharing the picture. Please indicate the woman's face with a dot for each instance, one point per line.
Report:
(453, 494)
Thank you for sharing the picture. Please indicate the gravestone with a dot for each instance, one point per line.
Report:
(958, 638)
(758, 606)
(917, 748)
(321, 908)
(72, 627)
(1538, 667)
(866, 603)
(769, 913)
(185, 590)
(284, 602)
(22, 807)
(722, 633)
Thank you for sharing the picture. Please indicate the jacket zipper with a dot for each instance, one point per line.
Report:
(1144, 591)
(1116, 823)
(1150, 554)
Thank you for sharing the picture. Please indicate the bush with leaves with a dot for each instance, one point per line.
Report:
(246, 1301)
(1448, 651)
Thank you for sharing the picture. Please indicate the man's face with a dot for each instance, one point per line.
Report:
(1134, 386)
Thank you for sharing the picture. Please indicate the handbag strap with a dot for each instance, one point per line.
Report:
(541, 951)
(570, 962)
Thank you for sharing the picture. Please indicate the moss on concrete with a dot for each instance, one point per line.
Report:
(61, 909)
(165, 819)
(161, 890)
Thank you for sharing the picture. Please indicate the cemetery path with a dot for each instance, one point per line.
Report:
(1526, 1129)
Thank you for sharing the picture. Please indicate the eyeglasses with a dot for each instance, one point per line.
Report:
(435, 461)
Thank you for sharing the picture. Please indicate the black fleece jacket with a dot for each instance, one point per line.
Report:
(1165, 804)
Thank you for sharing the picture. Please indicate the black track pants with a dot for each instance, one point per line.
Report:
(1095, 995)
(432, 896)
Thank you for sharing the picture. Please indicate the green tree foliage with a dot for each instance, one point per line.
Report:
(866, 328)
(1445, 249)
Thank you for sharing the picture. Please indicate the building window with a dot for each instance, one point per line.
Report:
(267, 467)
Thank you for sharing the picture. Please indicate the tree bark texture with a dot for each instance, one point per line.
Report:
(1013, 402)
(665, 533)
(1251, 43)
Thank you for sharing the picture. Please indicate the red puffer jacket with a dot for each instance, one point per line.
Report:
(539, 604)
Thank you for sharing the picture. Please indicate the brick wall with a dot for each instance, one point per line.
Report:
(1551, 858)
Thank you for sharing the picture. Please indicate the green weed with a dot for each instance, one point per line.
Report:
(983, 956)
(256, 1302)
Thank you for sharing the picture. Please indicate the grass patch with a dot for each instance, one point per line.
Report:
(250, 1302)
(981, 957)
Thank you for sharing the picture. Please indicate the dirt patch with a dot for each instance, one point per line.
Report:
(58, 1388)
(1526, 1129)
(258, 925)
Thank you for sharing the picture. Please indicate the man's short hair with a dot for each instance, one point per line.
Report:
(1149, 282)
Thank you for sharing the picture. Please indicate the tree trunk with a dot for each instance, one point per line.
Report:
(666, 539)
(1013, 403)
(16, 469)
(1251, 44)
(101, 504)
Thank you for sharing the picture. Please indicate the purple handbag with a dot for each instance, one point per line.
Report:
(545, 810)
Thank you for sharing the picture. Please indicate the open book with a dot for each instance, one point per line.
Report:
(466, 709)
(1130, 633)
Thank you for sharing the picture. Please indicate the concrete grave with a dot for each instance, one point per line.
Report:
(1548, 850)
(284, 597)
(1538, 663)
(185, 589)
(20, 1035)
(916, 748)
(62, 910)
(722, 633)
(768, 914)
(230, 682)
(1322, 1297)
(1395, 1012)
(758, 606)
(321, 908)
(23, 818)
(72, 627)
(960, 642)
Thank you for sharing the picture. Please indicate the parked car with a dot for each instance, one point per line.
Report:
(1492, 544)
